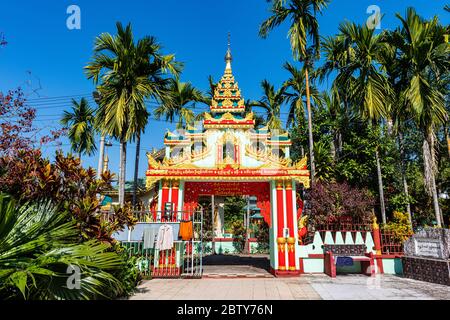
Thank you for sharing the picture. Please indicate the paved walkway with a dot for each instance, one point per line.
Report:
(305, 287)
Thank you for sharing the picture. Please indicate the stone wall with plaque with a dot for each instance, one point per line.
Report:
(427, 255)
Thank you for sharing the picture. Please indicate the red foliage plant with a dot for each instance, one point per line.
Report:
(331, 202)
(27, 176)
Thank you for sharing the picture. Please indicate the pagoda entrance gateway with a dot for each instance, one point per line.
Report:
(226, 155)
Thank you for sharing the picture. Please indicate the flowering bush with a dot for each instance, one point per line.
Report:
(399, 226)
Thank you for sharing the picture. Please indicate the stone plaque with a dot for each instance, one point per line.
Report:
(431, 243)
(429, 248)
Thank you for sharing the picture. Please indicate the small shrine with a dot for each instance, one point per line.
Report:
(225, 155)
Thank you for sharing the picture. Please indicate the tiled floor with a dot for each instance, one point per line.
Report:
(304, 287)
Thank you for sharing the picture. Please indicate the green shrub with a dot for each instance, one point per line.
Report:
(40, 256)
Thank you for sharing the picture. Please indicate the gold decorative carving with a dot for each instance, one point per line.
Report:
(228, 161)
(255, 153)
(199, 155)
(281, 244)
(227, 116)
(303, 222)
(291, 244)
(375, 225)
(303, 180)
(301, 164)
(152, 163)
(185, 158)
(151, 181)
(228, 136)
(279, 184)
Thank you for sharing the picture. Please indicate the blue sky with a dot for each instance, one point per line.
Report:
(43, 55)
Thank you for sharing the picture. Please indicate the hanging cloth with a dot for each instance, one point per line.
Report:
(186, 230)
(165, 237)
(150, 237)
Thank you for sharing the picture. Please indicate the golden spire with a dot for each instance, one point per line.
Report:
(228, 56)
(227, 96)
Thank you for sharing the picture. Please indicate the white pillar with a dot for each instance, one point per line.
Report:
(274, 228)
(167, 152)
(159, 208)
(286, 252)
(180, 203)
(294, 205)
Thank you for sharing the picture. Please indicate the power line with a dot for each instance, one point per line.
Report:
(60, 97)
(56, 104)
(129, 145)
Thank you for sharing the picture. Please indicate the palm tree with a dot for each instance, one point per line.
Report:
(80, 121)
(367, 86)
(400, 114)
(338, 119)
(296, 94)
(127, 73)
(324, 161)
(425, 55)
(179, 103)
(304, 27)
(271, 102)
(40, 250)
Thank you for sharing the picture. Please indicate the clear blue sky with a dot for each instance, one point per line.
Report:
(43, 54)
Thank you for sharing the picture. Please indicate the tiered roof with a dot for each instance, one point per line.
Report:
(227, 106)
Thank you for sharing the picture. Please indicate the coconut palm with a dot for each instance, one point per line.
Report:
(303, 31)
(80, 122)
(179, 103)
(40, 252)
(127, 73)
(425, 55)
(271, 102)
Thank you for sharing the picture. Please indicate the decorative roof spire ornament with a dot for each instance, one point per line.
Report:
(227, 96)
(228, 56)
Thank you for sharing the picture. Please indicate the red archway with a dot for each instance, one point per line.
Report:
(192, 191)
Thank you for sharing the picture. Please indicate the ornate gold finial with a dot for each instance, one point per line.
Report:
(228, 56)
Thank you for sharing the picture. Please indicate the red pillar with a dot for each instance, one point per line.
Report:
(290, 225)
(165, 194)
(281, 240)
(377, 241)
(175, 190)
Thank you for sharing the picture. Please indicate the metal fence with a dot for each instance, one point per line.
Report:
(391, 243)
(149, 216)
(183, 260)
(344, 224)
